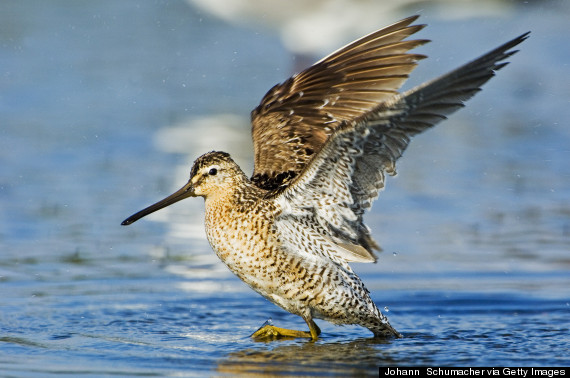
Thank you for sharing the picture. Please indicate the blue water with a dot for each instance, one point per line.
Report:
(105, 104)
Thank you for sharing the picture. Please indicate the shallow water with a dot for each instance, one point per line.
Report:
(103, 107)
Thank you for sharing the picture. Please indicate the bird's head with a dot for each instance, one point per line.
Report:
(212, 174)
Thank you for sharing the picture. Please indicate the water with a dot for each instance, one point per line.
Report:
(103, 107)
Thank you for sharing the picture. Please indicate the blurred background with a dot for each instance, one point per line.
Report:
(105, 104)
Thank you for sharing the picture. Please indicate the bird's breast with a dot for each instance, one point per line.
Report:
(243, 238)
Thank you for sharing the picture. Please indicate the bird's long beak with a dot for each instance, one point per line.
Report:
(184, 192)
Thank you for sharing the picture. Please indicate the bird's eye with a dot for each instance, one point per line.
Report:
(212, 171)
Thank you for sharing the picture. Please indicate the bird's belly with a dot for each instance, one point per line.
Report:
(282, 279)
(311, 288)
(292, 283)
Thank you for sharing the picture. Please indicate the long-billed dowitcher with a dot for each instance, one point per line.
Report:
(323, 141)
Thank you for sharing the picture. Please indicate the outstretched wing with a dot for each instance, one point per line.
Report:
(344, 178)
(295, 118)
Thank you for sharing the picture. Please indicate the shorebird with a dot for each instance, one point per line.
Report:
(323, 141)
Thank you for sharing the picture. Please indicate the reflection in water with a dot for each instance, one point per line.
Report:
(356, 357)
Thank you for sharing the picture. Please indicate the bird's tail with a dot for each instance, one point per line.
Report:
(384, 330)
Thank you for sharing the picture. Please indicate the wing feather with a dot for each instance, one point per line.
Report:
(295, 118)
(345, 176)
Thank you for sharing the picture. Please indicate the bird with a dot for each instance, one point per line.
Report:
(324, 141)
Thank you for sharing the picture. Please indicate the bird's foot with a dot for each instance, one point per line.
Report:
(270, 332)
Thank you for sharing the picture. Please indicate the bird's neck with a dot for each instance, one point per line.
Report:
(238, 191)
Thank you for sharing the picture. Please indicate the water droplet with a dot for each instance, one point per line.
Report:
(394, 253)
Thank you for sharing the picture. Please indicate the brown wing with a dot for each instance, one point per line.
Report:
(295, 118)
(344, 178)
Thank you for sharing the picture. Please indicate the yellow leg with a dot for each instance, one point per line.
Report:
(270, 332)
(314, 329)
